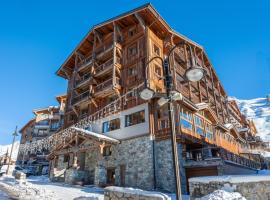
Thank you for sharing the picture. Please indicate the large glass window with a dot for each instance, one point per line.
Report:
(199, 125)
(186, 119)
(135, 118)
(209, 131)
(111, 125)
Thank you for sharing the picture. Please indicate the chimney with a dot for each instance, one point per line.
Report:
(268, 97)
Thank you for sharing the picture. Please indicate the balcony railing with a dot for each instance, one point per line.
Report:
(85, 62)
(106, 84)
(83, 79)
(163, 123)
(103, 49)
(104, 66)
(81, 97)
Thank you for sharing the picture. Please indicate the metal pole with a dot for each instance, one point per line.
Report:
(14, 136)
(168, 80)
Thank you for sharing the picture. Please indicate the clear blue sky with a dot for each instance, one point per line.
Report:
(37, 36)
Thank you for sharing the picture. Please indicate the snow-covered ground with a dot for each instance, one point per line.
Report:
(4, 148)
(259, 111)
(222, 195)
(40, 188)
(233, 178)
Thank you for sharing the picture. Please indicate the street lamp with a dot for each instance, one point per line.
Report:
(194, 73)
(14, 136)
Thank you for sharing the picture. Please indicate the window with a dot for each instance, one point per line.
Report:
(54, 125)
(209, 131)
(186, 119)
(199, 125)
(132, 71)
(66, 158)
(135, 118)
(158, 70)
(107, 151)
(132, 50)
(111, 125)
(156, 50)
(132, 32)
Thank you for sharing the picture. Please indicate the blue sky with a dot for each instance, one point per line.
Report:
(37, 36)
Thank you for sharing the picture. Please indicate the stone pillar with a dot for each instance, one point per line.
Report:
(100, 175)
(164, 166)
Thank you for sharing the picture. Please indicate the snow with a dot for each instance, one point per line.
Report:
(3, 149)
(231, 179)
(222, 195)
(259, 111)
(137, 192)
(40, 188)
(97, 135)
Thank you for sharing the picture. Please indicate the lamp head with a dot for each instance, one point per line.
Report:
(147, 94)
(195, 73)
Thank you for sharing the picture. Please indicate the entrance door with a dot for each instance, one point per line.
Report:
(200, 171)
(122, 175)
(111, 176)
(82, 160)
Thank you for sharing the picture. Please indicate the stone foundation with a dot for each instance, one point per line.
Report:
(164, 167)
(250, 188)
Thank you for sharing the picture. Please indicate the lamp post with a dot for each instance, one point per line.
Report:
(194, 73)
(14, 136)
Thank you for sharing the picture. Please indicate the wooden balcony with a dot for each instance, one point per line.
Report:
(104, 50)
(80, 98)
(107, 68)
(87, 62)
(83, 81)
(106, 88)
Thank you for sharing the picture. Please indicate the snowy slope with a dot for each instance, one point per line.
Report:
(3, 149)
(259, 111)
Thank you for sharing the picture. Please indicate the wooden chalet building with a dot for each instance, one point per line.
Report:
(46, 122)
(131, 147)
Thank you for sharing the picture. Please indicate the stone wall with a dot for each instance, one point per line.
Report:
(58, 173)
(135, 154)
(118, 193)
(164, 166)
(251, 190)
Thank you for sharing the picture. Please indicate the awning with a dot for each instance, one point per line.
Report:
(97, 136)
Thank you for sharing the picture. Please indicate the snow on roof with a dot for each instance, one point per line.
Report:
(229, 126)
(96, 135)
(202, 105)
(231, 178)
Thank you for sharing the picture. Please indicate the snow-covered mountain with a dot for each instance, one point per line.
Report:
(3, 149)
(259, 111)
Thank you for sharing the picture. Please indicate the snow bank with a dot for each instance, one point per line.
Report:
(133, 191)
(222, 195)
(231, 179)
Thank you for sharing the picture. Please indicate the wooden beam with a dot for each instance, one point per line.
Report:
(98, 35)
(114, 53)
(141, 21)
